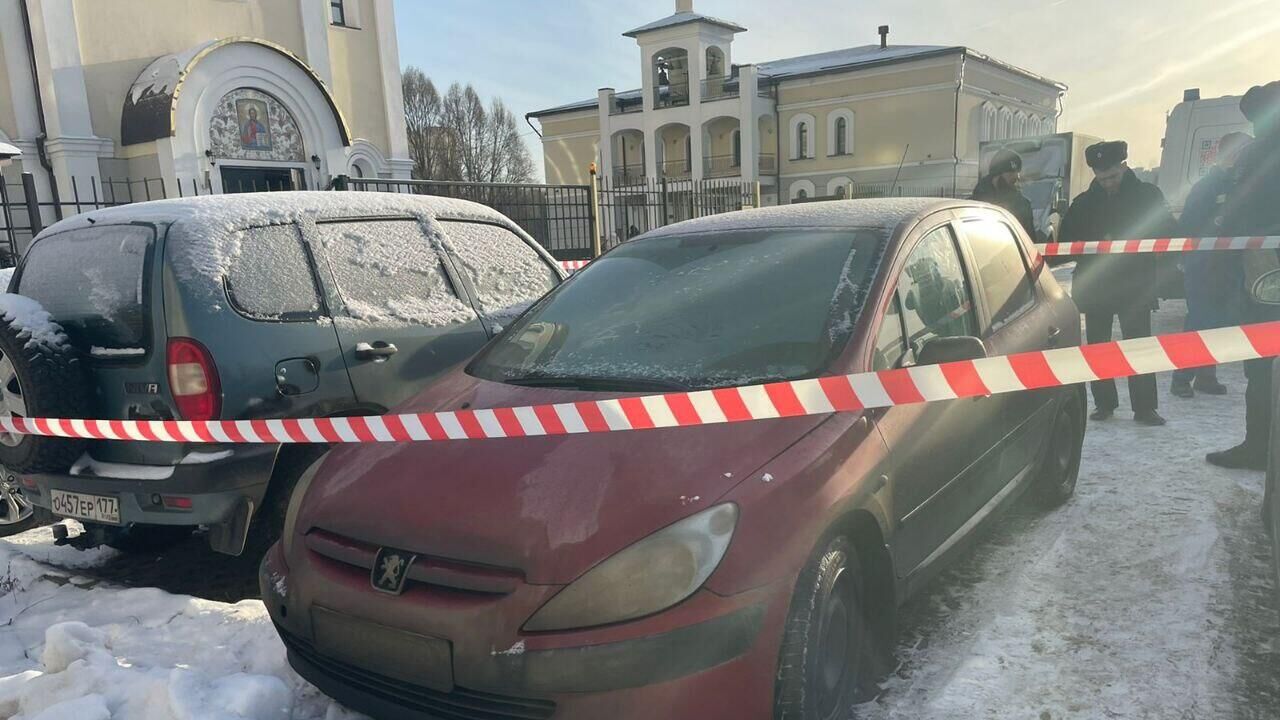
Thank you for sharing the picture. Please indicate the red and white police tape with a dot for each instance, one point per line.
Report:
(1160, 245)
(573, 265)
(839, 393)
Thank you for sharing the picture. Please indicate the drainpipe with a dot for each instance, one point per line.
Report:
(41, 151)
(955, 128)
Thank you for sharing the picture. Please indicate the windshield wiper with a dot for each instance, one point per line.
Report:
(600, 384)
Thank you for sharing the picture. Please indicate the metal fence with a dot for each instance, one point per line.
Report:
(26, 208)
(559, 217)
(628, 209)
(566, 219)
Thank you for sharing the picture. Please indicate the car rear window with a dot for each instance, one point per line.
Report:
(507, 274)
(388, 272)
(92, 281)
(271, 277)
(696, 311)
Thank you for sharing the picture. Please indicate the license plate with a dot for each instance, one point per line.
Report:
(83, 506)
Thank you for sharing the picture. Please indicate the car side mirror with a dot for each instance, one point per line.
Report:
(1266, 289)
(951, 349)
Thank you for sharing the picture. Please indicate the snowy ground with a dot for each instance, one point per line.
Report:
(1146, 596)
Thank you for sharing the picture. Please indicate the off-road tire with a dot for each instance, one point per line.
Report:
(54, 384)
(833, 570)
(1055, 480)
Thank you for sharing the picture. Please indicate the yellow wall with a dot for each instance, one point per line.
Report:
(156, 28)
(881, 129)
(8, 122)
(824, 87)
(570, 123)
(568, 161)
(357, 78)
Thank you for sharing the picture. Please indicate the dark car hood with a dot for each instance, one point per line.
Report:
(549, 506)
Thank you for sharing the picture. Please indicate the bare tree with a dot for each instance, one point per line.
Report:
(455, 137)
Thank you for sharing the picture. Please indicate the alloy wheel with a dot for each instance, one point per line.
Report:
(14, 508)
(12, 399)
(838, 634)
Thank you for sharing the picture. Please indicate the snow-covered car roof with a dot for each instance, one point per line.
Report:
(241, 210)
(885, 213)
(204, 233)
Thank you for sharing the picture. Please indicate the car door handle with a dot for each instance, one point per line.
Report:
(1055, 333)
(378, 350)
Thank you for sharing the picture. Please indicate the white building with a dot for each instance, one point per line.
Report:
(910, 116)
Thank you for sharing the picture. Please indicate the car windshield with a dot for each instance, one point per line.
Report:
(91, 281)
(695, 311)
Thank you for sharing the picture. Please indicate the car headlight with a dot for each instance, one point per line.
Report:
(295, 500)
(650, 575)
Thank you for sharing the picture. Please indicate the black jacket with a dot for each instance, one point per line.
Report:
(1116, 283)
(1009, 199)
(1252, 207)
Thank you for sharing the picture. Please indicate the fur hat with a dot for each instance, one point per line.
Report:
(1005, 160)
(1106, 154)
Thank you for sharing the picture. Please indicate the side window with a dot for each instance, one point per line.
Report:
(271, 278)
(891, 346)
(507, 274)
(388, 271)
(935, 295)
(1006, 285)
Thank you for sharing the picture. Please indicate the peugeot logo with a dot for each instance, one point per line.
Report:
(390, 569)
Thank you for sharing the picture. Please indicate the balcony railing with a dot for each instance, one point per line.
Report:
(675, 169)
(633, 103)
(719, 88)
(673, 95)
(628, 175)
(768, 164)
(716, 166)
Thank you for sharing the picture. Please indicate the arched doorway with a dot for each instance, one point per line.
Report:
(256, 144)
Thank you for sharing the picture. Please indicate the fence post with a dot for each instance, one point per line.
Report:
(594, 211)
(755, 193)
(33, 203)
(662, 221)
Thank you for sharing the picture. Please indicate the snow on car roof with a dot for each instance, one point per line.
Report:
(879, 212)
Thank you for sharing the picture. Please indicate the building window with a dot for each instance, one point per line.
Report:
(688, 153)
(802, 194)
(802, 141)
(842, 136)
(338, 12)
(737, 148)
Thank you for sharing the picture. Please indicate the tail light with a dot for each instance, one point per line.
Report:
(193, 380)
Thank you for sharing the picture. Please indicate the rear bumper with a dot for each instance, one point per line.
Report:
(723, 661)
(214, 488)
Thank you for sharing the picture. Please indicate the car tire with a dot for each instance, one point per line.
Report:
(828, 653)
(39, 380)
(1055, 481)
(16, 512)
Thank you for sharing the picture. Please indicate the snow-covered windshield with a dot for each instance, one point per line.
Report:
(91, 281)
(696, 311)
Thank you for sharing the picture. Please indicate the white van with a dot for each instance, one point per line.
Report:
(1190, 145)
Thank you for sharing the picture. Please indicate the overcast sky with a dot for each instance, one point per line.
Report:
(1126, 62)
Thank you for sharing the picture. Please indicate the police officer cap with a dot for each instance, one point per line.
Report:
(1106, 154)
(1261, 103)
(1005, 161)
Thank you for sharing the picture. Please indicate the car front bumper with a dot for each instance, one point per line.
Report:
(720, 664)
(214, 488)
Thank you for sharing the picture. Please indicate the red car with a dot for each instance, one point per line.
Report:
(743, 570)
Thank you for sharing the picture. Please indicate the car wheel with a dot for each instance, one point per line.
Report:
(16, 513)
(38, 379)
(1055, 481)
(827, 649)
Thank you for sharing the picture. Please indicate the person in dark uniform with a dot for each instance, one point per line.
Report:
(1117, 206)
(1003, 187)
(1252, 207)
(1204, 273)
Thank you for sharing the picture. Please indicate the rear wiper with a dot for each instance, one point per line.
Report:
(601, 384)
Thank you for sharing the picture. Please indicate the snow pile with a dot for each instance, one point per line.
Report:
(75, 648)
(886, 213)
(34, 323)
